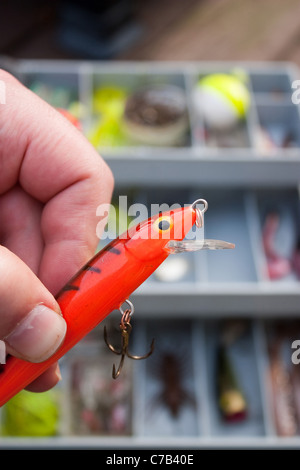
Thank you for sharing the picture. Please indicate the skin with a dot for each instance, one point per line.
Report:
(51, 182)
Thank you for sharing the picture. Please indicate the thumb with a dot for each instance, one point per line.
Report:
(31, 324)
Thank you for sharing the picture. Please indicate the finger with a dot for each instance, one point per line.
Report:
(56, 165)
(30, 320)
(46, 381)
(20, 232)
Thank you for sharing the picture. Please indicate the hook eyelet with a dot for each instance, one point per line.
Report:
(199, 214)
(130, 305)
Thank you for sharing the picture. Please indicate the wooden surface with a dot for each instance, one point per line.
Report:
(226, 30)
(171, 30)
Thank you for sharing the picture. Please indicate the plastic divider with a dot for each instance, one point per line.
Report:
(254, 228)
(200, 373)
(261, 356)
(85, 95)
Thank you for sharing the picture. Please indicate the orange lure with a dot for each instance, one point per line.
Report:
(105, 283)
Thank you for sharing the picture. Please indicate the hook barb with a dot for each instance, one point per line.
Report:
(126, 330)
(116, 373)
(138, 358)
(109, 345)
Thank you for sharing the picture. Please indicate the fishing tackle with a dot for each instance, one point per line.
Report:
(173, 394)
(232, 402)
(283, 405)
(125, 328)
(107, 280)
(278, 266)
(283, 378)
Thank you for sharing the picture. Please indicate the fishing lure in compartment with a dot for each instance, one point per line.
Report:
(284, 378)
(108, 279)
(282, 399)
(278, 266)
(296, 259)
(232, 402)
(173, 394)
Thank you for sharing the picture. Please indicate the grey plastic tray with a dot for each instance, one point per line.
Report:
(198, 160)
(148, 419)
(240, 184)
(230, 282)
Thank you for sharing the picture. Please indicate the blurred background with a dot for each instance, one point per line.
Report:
(151, 30)
(203, 109)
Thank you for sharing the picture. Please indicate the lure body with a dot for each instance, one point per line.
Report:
(103, 285)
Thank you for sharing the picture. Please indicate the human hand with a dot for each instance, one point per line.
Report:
(51, 182)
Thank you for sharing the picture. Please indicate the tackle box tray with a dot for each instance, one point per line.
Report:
(242, 157)
(186, 302)
(227, 282)
(139, 410)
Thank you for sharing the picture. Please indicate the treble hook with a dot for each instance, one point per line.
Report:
(126, 328)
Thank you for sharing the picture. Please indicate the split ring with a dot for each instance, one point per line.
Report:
(199, 213)
(130, 305)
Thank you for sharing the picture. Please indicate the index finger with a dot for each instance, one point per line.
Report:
(55, 164)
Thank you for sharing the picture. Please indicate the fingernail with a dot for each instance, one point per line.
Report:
(38, 335)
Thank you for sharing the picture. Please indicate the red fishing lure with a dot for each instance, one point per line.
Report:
(106, 282)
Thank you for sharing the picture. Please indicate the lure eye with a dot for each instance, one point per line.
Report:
(163, 224)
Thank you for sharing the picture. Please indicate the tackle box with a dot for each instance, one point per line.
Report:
(200, 159)
(88, 409)
(245, 181)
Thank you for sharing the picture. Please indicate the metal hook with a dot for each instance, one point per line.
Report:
(126, 328)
